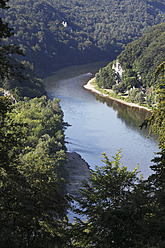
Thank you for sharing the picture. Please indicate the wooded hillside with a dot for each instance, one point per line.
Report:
(56, 33)
(121, 209)
(138, 63)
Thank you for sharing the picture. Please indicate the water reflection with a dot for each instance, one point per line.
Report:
(132, 117)
(98, 124)
(126, 113)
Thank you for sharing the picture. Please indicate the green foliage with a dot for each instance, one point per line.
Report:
(6, 50)
(144, 55)
(32, 157)
(157, 179)
(136, 95)
(95, 30)
(106, 77)
(119, 209)
(27, 84)
(138, 61)
(157, 119)
(116, 208)
(129, 79)
(17, 77)
(44, 129)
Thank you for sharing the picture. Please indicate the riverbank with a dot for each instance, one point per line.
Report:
(97, 127)
(91, 87)
(78, 171)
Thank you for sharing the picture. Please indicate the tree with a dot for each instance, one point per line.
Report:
(5, 30)
(121, 210)
(32, 203)
(157, 179)
(106, 77)
(7, 63)
(157, 119)
(9, 142)
(115, 207)
(129, 79)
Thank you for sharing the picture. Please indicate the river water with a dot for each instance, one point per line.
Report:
(100, 125)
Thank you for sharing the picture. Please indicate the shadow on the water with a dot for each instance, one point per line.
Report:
(132, 116)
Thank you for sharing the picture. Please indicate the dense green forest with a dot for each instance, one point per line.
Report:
(138, 62)
(33, 201)
(122, 210)
(32, 159)
(56, 33)
(25, 82)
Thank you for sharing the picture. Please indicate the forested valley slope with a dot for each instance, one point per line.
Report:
(56, 33)
(131, 74)
(120, 208)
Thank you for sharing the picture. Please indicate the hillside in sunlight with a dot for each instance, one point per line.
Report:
(137, 64)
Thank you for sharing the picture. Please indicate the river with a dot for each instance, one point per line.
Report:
(100, 125)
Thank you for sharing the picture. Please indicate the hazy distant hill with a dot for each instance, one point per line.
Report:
(55, 33)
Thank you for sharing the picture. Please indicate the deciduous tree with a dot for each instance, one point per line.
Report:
(114, 206)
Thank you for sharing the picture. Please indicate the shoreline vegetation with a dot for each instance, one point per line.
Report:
(91, 87)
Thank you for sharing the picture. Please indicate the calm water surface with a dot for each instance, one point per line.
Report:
(99, 125)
